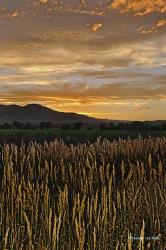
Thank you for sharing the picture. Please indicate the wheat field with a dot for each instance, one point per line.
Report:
(105, 195)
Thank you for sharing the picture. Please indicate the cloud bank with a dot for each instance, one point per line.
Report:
(102, 58)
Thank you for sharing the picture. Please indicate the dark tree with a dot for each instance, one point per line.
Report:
(18, 125)
(164, 126)
(29, 125)
(89, 128)
(45, 125)
(65, 126)
(121, 126)
(6, 126)
(49, 125)
(137, 125)
(104, 126)
(42, 125)
(112, 126)
(77, 125)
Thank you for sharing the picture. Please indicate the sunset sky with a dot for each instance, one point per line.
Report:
(96, 57)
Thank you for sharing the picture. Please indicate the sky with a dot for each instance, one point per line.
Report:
(101, 58)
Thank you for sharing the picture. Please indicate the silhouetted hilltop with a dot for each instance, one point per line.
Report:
(36, 113)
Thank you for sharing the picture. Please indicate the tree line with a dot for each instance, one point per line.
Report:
(41, 125)
(135, 125)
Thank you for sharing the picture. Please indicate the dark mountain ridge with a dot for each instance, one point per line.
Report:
(36, 113)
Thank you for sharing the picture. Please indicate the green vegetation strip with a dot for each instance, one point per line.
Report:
(71, 136)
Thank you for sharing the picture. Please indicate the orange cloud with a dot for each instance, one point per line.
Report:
(154, 28)
(97, 26)
(44, 1)
(141, 108)
(161, 23)
(139, 8)
(14, 14)
(83, 1)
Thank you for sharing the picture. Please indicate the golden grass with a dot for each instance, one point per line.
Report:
(89, 196)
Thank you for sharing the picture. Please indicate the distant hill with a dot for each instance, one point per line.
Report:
(36, 113)
(155, 123)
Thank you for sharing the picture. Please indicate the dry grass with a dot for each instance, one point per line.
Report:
(89, 196)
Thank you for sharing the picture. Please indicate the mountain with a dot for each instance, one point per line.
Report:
(36, 113)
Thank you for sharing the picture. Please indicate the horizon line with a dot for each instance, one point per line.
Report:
(82, 113)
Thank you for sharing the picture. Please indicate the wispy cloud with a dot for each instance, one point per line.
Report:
(139, 8)
(160, 24)
(87, 56)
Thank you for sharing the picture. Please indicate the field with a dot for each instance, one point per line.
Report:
(100, 195)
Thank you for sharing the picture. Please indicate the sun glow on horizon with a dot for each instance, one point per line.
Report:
(102, 60)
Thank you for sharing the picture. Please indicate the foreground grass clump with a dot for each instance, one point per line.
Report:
(105, 195)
